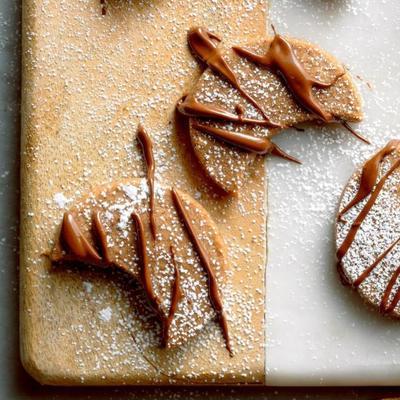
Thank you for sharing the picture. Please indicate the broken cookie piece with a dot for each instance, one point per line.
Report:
(258, 90)
(368, 230)
(181, 270)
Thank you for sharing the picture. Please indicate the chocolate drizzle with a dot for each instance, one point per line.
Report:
(366, 273)
(281, 59)
(147, 146)
(369, 175)
(203, 44)
(246, 142)
(190, 107)
(384, 307)
(101, 237)
(364, 212)
(213, 291)
(176, 297)
(74, 243)
(103, 7)
(354, 133)
(145, 275)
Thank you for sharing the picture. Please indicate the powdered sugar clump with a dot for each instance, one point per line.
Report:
(105, 314)
(61, 200)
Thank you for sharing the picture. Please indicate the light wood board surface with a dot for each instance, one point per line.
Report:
(88, 80)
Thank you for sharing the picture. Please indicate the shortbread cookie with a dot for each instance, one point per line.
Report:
(368, 230)
(100, 230)
(278, 83)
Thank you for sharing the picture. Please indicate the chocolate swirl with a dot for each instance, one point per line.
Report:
(281, 59)
(213, 291)
(203, 44)
(147, 146)
(246, 142)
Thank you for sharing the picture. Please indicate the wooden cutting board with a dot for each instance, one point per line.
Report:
(88, 80)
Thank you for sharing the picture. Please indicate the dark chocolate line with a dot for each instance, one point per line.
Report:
(213, 290)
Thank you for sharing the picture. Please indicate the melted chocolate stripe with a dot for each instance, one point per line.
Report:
(213, 290)
(147, 146)
(364, 212)
(176, 297)
(190, 107)
(384, 308)
(396, 297)
(366, 273)
(369, 175)
(281, 59)
(101, 236)
(246, 142)
(75, 243)
(354, 133)
(201, 43)
(145, 275)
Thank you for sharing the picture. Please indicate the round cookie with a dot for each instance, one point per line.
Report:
(230, 167)
(105, 235)
(368, 230)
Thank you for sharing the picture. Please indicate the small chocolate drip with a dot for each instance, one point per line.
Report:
(354, 133)
(246, 142)
(281, 59)
(147, 146)
(384, 308)
(213, 290)
(369, 175)
(190, 107)
(239, 109)
(176, 297)
(201, 42)
(366, 273)
(74, 242)
(101, 236)
(145, 275)
(103, 7)
(364, 212)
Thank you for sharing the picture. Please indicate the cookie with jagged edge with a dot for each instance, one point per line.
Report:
(368, 230)
(113, 207)
(230, 167)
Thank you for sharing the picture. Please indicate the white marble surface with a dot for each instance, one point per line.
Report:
(320, 333)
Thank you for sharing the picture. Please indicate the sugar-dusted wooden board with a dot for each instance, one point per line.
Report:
(88, 80)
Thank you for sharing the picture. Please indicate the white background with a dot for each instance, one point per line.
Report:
(320, 333)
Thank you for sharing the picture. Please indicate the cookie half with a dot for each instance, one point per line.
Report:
(102, 230)
(368, 230)
(229, 166)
